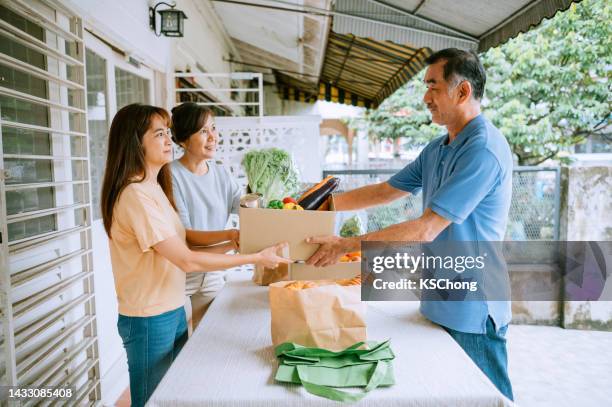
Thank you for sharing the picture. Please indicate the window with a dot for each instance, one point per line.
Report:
(130, 88)
(111, 84)
(97, 121)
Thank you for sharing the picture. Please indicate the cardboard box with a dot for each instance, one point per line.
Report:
(333, 272)
(261, 228)
(266, 276)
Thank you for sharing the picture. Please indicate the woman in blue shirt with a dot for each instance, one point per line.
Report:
(205, 192)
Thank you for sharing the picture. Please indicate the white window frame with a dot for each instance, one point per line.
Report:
(113, 360)
(115, 60)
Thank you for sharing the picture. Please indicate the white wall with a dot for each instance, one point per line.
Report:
(125, 25)
(205, 40)
(205, 44)
(585, 216)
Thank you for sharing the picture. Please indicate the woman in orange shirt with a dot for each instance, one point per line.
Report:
(150, 249)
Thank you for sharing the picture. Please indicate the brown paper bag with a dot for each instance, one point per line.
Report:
(328, 316)
(266, 276)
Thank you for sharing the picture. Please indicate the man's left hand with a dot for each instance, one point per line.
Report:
(331, 249)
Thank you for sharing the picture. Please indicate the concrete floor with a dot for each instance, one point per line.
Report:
(559, 367)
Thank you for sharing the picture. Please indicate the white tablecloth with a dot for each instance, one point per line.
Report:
(229, 360)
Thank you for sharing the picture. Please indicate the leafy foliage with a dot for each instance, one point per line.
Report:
(547, 89)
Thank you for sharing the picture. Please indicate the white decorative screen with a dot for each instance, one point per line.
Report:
(299, 135)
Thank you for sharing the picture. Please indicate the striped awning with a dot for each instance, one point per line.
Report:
(372, 46)
(439, 24)
(357, 71)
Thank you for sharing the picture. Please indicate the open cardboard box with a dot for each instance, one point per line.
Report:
(261, 228)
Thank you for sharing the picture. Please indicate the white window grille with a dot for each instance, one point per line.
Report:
(298, 135)
(46, 287)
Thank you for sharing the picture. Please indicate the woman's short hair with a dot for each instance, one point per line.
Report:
(187, 119)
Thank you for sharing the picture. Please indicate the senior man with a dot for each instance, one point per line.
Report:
(466, 178)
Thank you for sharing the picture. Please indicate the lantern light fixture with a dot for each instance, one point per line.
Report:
(172, 20)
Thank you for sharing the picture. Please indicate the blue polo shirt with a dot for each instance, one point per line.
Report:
(468, 182)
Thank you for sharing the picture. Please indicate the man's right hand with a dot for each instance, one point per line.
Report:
(271, 256)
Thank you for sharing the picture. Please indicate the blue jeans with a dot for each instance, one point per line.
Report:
(152, 344)
(488, 351)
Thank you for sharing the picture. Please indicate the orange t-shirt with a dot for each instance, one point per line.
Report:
(146, 283)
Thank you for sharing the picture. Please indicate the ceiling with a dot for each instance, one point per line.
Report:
(269, 39)
(360, 51)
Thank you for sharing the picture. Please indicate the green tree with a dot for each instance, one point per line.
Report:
(402, 115)
(547, 89)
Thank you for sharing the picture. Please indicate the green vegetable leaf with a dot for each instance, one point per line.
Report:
(352, 227)
(271, 172)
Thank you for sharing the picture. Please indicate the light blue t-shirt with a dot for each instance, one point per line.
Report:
(204, 202)
(468, 182)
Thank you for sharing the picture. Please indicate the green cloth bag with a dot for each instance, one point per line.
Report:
(322, 371)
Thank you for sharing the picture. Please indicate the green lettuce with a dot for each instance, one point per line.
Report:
(352, 227)
(271, 172)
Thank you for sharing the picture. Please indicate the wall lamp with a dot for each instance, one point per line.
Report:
(172, 20)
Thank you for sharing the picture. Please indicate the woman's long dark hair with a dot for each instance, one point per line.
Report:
(125, 161)
(188, 118)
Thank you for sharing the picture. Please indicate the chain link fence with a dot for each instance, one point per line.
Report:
(534, 210)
